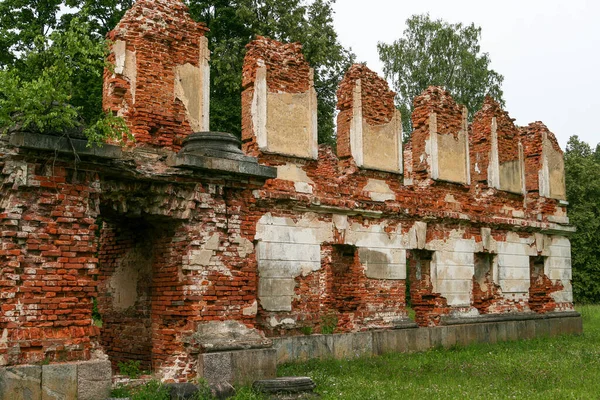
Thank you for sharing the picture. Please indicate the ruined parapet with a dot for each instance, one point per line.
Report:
(439, 140)
(160, 79)
(369, 128)
(496, 149)
(279, 102)
(544, 162)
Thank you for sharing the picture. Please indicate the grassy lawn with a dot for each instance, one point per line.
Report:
(565, 367)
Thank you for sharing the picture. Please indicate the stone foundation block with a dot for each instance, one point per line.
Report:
(21, 383)
(59, 381)
(238, 367)
(94, 380)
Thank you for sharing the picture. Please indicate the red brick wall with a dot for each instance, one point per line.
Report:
(47, 264)
(163, 36)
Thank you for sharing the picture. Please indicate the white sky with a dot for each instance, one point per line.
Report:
(547, 50)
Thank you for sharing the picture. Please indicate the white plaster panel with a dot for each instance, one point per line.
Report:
(282, 269)
(276, 303)
(508, 273)
(464, 272)
(565, 295)
(458, 300)
(560, 241)
(560, 274)
(386, 271)
(454, 287)
(285, 250)
(455, 258)
(288, 251)
(276, 286)
(515, 286)
(513, 263)
(374, 236)
(512, 260)
(383, 263)
(293, 234)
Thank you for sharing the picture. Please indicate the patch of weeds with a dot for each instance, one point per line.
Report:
(411, 313)
(120, 392)
(328, 323)
(96, 317)
(248, 393)
(306, 330)
(204, 392)
(153, 390)
(130, 369)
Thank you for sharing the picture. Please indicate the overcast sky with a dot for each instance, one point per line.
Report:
(547, 50)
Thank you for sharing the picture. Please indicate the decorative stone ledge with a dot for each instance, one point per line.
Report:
(63, 145)
(219, 151)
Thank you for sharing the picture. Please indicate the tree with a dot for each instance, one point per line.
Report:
(434, 52)
(582, 173)
(25, 39)
(55, 86)
(234, 24)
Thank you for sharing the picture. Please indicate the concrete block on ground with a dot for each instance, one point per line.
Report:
(59, 381)
(238, 367)
(94, 380)
(21, 383)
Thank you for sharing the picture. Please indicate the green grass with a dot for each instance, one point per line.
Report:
(566, 367)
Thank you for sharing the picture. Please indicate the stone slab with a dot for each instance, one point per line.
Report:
(238, 367)
(462, 332)
(21, 383)
(94, 380)
(59, 381)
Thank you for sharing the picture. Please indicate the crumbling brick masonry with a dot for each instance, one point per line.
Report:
(142, 252)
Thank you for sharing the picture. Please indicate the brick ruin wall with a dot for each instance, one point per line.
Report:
(324, 246)
(158, 44)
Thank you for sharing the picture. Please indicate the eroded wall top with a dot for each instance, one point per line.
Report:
(496, 150)
(279, 102)
(160, 80)
(544, 162)
(440, 147)
(369, 127)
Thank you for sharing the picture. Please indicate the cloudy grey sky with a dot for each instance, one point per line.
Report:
(547, 50)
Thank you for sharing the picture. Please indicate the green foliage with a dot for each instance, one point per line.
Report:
(582, 174)
(234, 24)
(307, 330)
(204, 392)
(434, 52)
(56, 87)
(130, 368)
(102, 15)
(22, 22)
(120, 392)
(565, 367)
(153, 390)
(328, 323)
(38, 59)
